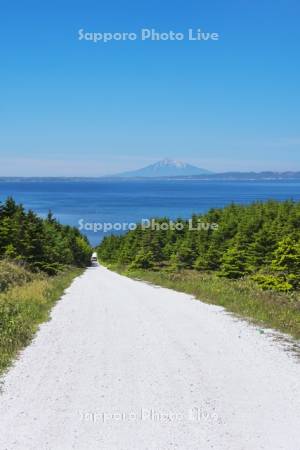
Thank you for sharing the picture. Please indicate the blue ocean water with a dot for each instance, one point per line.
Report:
(113, 201)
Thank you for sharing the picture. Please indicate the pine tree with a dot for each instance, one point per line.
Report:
(43, 244)
(259, 252)
(143, 260)
(286, 262)
(233, 263)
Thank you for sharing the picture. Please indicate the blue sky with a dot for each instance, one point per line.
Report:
(71, 107)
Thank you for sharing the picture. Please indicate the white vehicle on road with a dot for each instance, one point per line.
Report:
(94, 259)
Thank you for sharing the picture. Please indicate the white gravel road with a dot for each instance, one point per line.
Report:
(124, 365)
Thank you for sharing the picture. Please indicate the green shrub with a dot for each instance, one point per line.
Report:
(12, 274)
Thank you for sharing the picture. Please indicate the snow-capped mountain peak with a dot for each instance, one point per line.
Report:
(166, 168)
(170, 163)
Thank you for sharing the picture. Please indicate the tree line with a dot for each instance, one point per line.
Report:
(260, 240)
(42, 244)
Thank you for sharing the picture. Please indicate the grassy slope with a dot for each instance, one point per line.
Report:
(243, 297)
(24, 305)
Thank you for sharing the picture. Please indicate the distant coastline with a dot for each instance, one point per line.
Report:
(225, 176)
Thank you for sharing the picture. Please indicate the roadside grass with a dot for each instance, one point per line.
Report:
(26, 304)
(13, 274)
(242, 297)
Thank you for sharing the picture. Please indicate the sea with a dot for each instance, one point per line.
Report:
(99, 208)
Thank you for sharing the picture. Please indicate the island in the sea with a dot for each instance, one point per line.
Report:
(168, 168)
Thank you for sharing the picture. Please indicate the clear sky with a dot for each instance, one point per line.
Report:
(71, 107)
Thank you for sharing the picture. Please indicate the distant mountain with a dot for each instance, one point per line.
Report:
(166, 168)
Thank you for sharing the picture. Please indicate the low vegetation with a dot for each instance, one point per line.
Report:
(243, 257)
(12, 274)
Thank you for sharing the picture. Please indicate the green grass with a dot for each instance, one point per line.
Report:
(12, 274)
(24, 304)
(243, 297)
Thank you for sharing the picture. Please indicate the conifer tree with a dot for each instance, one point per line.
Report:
(233, 263)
